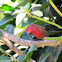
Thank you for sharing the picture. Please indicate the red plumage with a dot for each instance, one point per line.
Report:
(37, 31)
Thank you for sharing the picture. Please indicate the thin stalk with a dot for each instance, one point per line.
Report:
(47, 21)
(53, 38)
(56, 9)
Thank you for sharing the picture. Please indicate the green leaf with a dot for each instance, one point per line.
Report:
(19, 31)
(44, 6)
(7, 13)
(37, 13)
(13, 0)
(38, 22)
(6, 7)
(23, 3)
(44, 56)
(6, 19)
(21, 58)
(35, 1)
(35, 7)
(4, 26)
(4, 59)
(30, 52)
(10, 29)
(29, 37)
(0, 35)
(27, 21)
(18, 1)
(5, 52)
(32, 48)
(19, 18)
(1, 15)
(27, 6)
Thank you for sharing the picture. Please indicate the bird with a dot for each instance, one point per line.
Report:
(37, 30)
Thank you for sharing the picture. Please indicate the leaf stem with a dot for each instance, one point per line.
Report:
(47, 21)
(56, 9)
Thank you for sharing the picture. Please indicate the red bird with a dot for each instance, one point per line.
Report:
(37, 31)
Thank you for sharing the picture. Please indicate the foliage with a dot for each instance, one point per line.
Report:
(16, 17)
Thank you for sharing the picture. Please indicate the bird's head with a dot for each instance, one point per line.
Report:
(29, 29)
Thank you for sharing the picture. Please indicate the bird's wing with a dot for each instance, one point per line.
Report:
(42, 29)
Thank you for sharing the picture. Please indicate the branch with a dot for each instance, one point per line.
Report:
(29, 42)
(11, 46)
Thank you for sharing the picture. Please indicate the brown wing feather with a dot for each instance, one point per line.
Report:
(42, 29)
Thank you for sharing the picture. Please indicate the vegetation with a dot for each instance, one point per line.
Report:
(15, 45)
